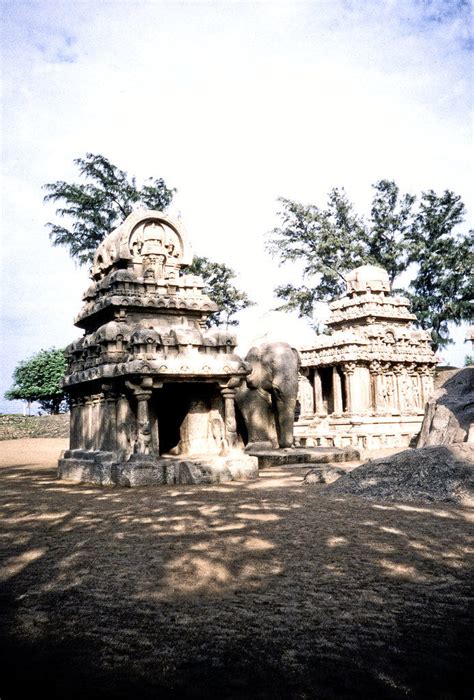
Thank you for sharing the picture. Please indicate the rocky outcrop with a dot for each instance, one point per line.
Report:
(431, 474)
(449, 414)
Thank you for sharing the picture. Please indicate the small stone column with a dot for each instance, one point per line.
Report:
(349, 369)
(75, 431)
(318, 394)
(108, 441)
(87, 423)
(336, 392)
(399, 403)
(143, 444)
(123, 423)
(229, 416)
(375, 370)
(97, 415)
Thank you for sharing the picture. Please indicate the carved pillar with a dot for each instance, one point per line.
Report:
(97, 414)
(75, 427)
(143, 444)
(375, 369)
(426, 382)
(229, 416)
(398, 370)
(123, 423)
(336, 391)
(318, 393)
(87, 423)
(349, 369)
(108, 440)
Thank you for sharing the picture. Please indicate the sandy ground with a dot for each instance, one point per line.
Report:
(268, 589)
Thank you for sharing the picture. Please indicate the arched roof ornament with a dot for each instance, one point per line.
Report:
(148, 242)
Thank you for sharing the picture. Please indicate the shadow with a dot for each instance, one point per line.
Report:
(242, 590)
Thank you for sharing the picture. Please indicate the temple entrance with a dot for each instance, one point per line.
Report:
(326, 389)
(175, 402)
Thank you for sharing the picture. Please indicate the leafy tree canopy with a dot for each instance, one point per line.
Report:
(105, 198)
(39, 379)
(99, 204)
(219, 287)
(400, 231)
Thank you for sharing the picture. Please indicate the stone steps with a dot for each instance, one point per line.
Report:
(299, 456)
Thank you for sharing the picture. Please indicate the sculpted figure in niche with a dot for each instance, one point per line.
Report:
(267, 400)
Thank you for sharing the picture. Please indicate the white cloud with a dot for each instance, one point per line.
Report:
(234, 104)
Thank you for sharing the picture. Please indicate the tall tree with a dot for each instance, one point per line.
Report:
(219, 287)
(107, 196)
(443, 289)
(331, 241)
(99, 204)
(39, 379)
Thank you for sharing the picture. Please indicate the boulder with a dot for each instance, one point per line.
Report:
(442, 473)
(449, 414)
(324, 474)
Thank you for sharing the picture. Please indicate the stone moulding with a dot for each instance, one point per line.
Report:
(152, 388)
(366, 383)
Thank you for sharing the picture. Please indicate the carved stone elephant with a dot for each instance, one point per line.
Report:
(267, 399)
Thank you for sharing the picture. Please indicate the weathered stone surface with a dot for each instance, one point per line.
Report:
(209, 469)
(366, 383)
(449, 414)
(297, 456)
(267, 398)
(323, 475)
(430, 474)
(148, 379)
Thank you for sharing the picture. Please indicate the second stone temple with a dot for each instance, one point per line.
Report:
(152, 388)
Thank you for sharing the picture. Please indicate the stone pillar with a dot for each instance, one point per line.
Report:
(97, 415)
(229, 416)
(398, 370)
(376, 390)
(75, 428)
(87, 423)
(108, 438)
(349, 369)
(318, 393)
(143, 444)
(336, 391)
(427, 385)
(123, 424)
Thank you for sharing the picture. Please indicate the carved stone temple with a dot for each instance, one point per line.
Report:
(366, 383)
(152, 389)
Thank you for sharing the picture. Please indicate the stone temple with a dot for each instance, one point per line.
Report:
(152, 388)
(365, 384)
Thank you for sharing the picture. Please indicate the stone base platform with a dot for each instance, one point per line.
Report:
(297, 456)
(104, 469)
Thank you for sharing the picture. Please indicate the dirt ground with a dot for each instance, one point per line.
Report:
(267, 589)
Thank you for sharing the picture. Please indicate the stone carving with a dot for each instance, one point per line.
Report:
(268, 400)
(150, 385)
(373, 374)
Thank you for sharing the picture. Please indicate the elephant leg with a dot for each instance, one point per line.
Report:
(285, 418)
(256, 409)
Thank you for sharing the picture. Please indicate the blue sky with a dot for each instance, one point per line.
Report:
(232, 103)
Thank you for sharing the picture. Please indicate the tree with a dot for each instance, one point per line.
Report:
(104, 200)
(443, 289)
(39, 379)
(331, 241)
(100, 204)
(220, 289)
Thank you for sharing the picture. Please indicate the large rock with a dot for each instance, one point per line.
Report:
(438, 473)
(449, 414)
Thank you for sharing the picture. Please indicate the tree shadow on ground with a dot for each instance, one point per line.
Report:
(251, 590)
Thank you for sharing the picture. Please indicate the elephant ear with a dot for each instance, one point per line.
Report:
(298, 358)
(253, 354)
